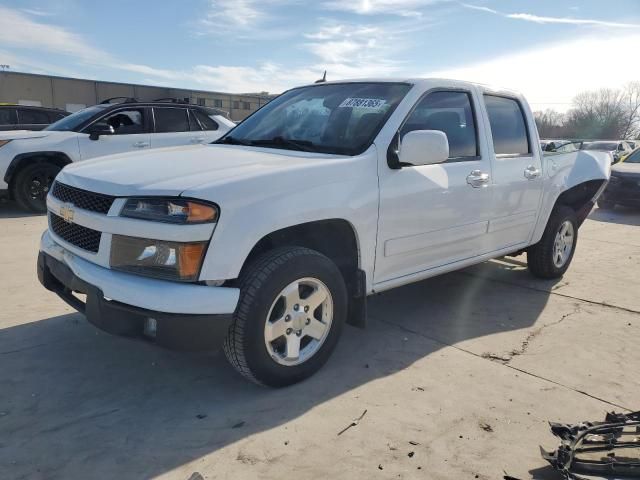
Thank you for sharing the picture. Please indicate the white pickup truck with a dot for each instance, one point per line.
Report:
(271, 238)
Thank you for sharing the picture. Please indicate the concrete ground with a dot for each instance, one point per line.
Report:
(458, 376)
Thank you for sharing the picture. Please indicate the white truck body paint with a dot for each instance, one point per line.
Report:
(410, 223)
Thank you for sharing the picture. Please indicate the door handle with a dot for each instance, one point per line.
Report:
(141, 144)
(197, 139)
(531, 172)
(478, 179)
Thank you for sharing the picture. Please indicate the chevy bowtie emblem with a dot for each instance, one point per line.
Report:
(66, 212)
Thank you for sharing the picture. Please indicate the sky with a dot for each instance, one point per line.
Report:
(548, 49)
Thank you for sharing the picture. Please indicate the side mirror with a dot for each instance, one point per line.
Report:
(98, 129)
(424, 147)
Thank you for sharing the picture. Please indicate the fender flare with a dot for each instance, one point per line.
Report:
(59, 158)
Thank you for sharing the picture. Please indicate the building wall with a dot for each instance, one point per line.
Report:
(72, 94)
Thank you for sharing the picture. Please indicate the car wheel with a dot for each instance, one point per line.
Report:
(606, 204)
(552, 255)
(292, 306)
(32, 184)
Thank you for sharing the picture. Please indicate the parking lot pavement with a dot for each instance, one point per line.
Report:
(458, 376)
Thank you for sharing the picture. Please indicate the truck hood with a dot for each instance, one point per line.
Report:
(28, 134)
(172, 171)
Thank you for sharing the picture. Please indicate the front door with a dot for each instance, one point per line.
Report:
(131, 127)
(517, 172)
(434, 215)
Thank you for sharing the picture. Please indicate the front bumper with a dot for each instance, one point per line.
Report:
(114, 307)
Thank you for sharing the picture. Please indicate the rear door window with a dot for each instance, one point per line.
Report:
(193, 122)
(508, 126)
(171, 120)
(32, 117)
(7, 116)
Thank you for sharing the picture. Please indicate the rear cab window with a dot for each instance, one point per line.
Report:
(508, 126)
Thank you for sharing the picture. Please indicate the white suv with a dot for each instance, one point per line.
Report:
(29, 161)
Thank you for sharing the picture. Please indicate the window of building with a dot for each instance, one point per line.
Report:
(171, 120)
(236, 104)
(508, 126)
(448, 112)
(126, 122)
(202, 101)
(246, 105)
(217, 103)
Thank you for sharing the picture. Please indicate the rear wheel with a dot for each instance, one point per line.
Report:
(32, 184)
(552, 255)
(293, 303)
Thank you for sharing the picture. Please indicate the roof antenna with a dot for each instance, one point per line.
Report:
(323, 79)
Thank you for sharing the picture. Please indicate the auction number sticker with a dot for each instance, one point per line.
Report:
(373, 103)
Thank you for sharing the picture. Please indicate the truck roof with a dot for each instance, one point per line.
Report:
(424, 81)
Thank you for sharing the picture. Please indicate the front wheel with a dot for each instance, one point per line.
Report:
(293, 303)
(32, 184)
(552, 255)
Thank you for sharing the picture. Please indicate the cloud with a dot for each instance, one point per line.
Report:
(403, 8)
(550, 76)
(528, 17)
(20, 31)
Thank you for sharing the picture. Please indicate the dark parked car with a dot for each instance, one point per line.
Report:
(624, 184)
(23, 117)
(616, 149)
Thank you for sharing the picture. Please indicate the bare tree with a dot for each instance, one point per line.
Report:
(549, 123)
(631, 110)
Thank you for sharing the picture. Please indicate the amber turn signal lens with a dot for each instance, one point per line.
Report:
(190, 255)
(197, 212)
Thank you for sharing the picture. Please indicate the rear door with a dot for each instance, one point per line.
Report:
(8, 119)
(517, 170)
(172, 127)
(131, 126)
(434, 215)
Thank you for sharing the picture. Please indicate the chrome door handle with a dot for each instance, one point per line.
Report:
(197, 139)
(478, 179)
(531, 172)
(141, 144)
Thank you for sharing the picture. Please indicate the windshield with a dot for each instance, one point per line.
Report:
(74, 120)
(633, 158)
(329, 118)
(601, 146)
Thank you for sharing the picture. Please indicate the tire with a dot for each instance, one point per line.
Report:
(262, 300)
(543, 258)
(606, 204)
(31, 185)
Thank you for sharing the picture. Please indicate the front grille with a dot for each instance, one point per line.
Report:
(95, 202)
(81, 237)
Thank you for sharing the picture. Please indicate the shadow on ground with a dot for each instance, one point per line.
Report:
(75, 402)
(619, 215)
(10, 209)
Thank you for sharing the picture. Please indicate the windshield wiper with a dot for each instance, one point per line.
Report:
(279, 141)
(229, 140)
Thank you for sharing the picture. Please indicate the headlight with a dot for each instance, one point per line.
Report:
(170, 210)
(4, 142)
(157, 258)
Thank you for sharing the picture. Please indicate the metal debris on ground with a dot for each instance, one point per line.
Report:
(486, 427)
(607, 450)
(353, 424)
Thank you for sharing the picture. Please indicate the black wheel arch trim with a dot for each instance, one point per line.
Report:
(60, 158)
